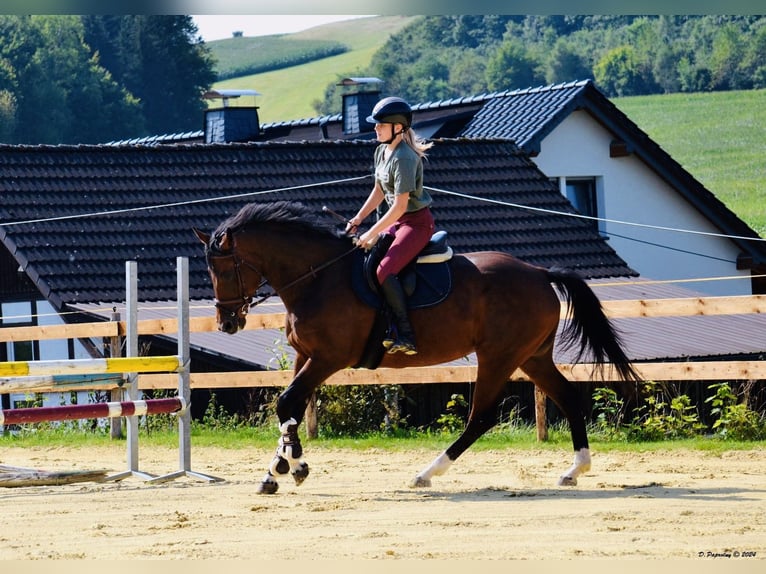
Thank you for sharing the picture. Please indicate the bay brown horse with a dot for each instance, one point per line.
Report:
(504, 310)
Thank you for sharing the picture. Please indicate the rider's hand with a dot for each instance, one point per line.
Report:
(352, 226)
(367, 240)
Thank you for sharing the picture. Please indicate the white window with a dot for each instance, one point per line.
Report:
(584, 194)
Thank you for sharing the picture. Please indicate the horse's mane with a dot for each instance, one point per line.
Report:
(289, 213)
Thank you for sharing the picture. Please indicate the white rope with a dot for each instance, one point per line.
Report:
(179, 203)
(345, 180)
(577, 215)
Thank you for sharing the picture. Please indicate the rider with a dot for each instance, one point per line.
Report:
(398, 180)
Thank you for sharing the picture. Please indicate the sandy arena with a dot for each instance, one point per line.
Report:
(499, 505)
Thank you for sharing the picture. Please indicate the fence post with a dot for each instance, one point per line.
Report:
(541, 421)
(115, 350)
(312, 418)
(131, 350)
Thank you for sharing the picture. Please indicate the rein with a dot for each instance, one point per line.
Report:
(247, 301)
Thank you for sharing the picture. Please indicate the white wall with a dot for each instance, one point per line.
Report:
(579, 147)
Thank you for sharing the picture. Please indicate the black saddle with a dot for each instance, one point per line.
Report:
(426, 280)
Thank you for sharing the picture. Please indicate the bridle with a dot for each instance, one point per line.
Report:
(243, 302)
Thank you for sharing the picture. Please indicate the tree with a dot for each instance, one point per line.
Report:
(8, 110)
(162, 61)
(618, 73)
(726, 58)
(754, 63)
(511, 66)
(565, 63)
(54, 90)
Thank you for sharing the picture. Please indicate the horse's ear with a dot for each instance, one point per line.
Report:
(224, 241)
(201, 235)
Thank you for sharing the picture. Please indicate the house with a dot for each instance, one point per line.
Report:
(662, 221)
(72, 215)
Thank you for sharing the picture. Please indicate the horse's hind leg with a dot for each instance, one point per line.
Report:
(543, 372)
(482, 417)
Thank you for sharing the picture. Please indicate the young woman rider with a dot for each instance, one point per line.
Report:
(398, 181)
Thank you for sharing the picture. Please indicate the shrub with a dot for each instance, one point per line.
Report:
(736, 420)
(356, 409)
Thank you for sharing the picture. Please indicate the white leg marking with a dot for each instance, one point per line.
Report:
(581, 465)
(438, 467)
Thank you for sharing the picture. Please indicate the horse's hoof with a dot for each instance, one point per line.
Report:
(420, 482)
(268, 487)
(567, 481)
(301, 473)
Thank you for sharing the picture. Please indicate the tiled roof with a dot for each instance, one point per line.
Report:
(528, 116)
(144, 200)
(525, 116)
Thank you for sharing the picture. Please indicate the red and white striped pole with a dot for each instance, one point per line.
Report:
(93, 411)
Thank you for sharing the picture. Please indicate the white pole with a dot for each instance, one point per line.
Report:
(184, 384)
(131, 350)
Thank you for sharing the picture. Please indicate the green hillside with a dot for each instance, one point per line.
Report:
(289, 94)
(719, 137)
(243, 56)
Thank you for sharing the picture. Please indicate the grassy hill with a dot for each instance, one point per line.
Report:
(244, 56)
(718, 137)
(289, 94)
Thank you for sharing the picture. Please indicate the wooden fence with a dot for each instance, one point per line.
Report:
(681, 371)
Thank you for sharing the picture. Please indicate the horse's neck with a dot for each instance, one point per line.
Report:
(296, 262)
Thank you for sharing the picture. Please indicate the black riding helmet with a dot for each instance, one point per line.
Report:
(391, 110)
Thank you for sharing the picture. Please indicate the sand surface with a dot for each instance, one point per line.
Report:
(500, 504)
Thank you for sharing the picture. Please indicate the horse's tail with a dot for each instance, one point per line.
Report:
(588, 326)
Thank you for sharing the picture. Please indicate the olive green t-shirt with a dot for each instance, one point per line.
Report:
(402, 172)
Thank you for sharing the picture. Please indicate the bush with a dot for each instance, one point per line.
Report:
(736, 420)
(455, 418)
(357, 409)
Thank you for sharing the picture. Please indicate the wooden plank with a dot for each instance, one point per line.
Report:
(46, 332)
(48, 383)
(707, 370)
(740, 305)
(88, 366)
(208, 324)
(14, 476)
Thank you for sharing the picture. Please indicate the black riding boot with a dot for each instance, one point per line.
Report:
(404, 338)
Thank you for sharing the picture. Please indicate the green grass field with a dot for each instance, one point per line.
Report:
(501, 437)
(718, 137)
(290, 93)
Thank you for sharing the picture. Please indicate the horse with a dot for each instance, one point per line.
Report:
(504, 310)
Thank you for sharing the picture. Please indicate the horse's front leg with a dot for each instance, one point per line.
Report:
(287, 460)
(291, 407)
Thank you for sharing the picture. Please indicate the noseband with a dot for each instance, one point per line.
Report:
(243, 301)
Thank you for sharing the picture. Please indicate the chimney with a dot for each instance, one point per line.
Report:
(358, 104)
(231, 123)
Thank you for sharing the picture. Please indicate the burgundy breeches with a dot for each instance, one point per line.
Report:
(411, 234)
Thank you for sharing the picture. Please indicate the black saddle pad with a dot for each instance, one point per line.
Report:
(433, 283)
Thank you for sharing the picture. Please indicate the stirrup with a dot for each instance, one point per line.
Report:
(391, 337)
(407, 348)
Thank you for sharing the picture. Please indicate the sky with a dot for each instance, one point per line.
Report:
(219, 27)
